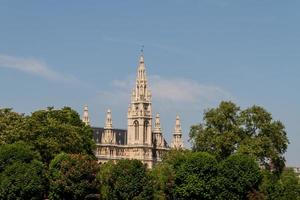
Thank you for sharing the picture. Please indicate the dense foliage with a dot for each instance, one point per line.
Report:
(29, 143)
(21, 172)
(163, 178)
(127, 179)
(236, 154)
(72, 177)
(227, 130)
(284, 187)
(240, 177)
(49, 131)
(199, 175)
(11, 126)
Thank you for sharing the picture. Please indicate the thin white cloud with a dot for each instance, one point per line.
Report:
(178, 90)
(169, 93)
(33, 66)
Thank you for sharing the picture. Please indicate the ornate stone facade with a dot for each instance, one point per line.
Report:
(141, 140)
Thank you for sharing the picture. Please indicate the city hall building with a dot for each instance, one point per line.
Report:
(143, 140)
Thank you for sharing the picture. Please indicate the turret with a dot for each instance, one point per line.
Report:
(108, 121)
(158, 138)
(177, 142)
(108, 136)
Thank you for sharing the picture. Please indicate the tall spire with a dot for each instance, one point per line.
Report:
(141, 91)
(140, 109)
(108, 122)
(85, 117)
(177, 142)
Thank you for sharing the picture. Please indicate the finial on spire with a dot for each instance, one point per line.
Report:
(142, 49)
(142, 55)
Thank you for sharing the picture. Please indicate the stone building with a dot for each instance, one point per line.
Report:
(143, 140)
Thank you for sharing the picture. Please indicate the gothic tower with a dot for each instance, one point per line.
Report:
(140, 111)
(177, 142)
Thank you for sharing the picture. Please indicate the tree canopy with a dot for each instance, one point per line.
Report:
(227, 130)
(284, 187)
(49, 131)
(240, 176)
(21, 173)
(199, 175)
(11, 126)
(72, 177)
(127, 179)
(236, 154)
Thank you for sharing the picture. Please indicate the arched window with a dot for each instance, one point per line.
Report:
(146, 124)
(136, 130)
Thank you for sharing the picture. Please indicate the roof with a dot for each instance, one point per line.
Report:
(121, 135)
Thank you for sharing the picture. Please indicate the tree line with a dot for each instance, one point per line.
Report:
(236, 154)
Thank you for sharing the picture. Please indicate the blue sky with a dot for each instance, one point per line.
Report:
(197, 53)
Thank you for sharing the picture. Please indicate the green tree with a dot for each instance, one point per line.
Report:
(104, 176)
(284, 187)
(263, 137)
(163, 177)
(195, 176)
(227, 129)
(127, 179)
(164, 174)
(220, 132)
(240, 176)
(199, 175)
(19, 151)
(49, 131)
(11, 125)
(72, 177)
(21, 172)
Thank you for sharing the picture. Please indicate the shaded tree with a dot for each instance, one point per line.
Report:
(240, 176)
(199, 175)
(283, 187)
(17, 152)
(72, 176)
(163, 177)
(21, 172)
(195, 174)
(127, 179)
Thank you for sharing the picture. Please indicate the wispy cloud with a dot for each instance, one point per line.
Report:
(33, 66)
(179, 90)
(169, 93)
